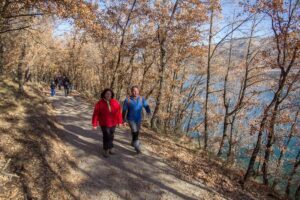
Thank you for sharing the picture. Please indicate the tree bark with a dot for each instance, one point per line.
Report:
(20, 69)
(162, 36)
(1, 55)
(285, 146)
(294, 170)
(208, 79)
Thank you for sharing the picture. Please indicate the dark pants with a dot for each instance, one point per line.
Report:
(135, 131)
(108, 137)
(52, 92)
(66, 88)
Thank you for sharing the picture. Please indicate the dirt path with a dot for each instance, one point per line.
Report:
(121, 176)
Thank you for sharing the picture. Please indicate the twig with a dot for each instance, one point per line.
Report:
(6, 165)
(7, 174)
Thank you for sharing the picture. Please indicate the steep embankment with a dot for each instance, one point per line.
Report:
(54, 154)
(32, 158)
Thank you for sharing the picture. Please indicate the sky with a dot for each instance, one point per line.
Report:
(228, 8)
(62, 27)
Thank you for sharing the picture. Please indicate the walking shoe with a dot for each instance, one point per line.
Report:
(111, 152)
(137, 146)
(138, 151)
(105, 154)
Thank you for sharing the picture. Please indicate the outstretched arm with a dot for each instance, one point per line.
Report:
(146, 106)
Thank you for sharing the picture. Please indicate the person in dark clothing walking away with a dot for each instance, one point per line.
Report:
(107, 114)
(66, 84)
(132, 113)
(60, 82)
(56, 81)
(52, 87)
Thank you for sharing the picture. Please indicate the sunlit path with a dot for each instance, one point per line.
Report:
(122, 176)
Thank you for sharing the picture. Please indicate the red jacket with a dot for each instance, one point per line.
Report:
(104, 117)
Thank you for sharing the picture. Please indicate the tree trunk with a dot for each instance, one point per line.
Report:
(297, 193)
(294, 171)
(161, 36)
(1, 55)
(223, 133)
(161, 83)
(225, 103)
(230, 145)
(285, 146)
(190, 119)
(145, 70)
(170, 104)
(269, 144)
(208, 79)
(124, 29)
(250, 169)
(20, 69)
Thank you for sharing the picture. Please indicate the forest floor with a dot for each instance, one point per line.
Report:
(54, 154)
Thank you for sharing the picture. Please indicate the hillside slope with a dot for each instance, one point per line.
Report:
(55, 155)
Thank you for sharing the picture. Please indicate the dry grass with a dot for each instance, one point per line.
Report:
(195, 164)
(27, 140)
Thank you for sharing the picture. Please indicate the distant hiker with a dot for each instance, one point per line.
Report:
(56, 81)
(132, 113)
(71, 87)
(107, 114)
(66, 84)
(52, 87)
(60, 82)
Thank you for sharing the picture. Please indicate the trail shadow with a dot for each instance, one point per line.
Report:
(121, 163)
(88, 143)
(125, 174)
(38, 146)
(6, 93)
(31, 147)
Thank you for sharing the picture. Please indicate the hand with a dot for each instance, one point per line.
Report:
(125, 124)
(95, 128)
(120, 125)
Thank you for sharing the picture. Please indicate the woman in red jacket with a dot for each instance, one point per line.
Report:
(107, 114)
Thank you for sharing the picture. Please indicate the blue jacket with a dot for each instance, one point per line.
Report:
(132, 109)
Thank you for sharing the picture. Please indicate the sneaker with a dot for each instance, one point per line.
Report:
(137, 146)
(138, 151)
(105, 154)
(111, 152)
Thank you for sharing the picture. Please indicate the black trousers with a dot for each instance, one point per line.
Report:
(108, 137)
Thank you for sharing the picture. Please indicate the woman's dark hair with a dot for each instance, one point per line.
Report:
(107, 90)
